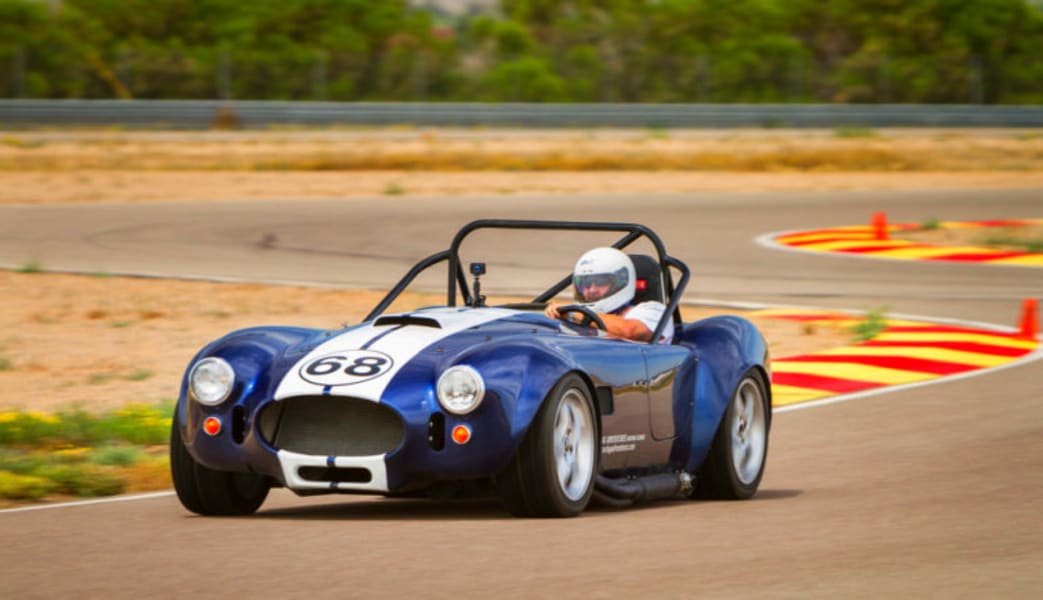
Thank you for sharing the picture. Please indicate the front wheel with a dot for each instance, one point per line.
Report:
(213, 493)
(552, 473)
(735, 464)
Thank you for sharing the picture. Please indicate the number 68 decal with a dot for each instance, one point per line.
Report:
(345, 368)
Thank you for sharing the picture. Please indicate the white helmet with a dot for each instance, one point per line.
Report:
(604, 280)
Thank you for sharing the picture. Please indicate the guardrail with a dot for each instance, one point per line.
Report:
(203, 114)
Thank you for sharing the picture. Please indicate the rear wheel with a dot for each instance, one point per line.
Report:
(213, 493)
(552, 473)
(735, 464)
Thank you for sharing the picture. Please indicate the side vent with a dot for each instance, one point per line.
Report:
(606, 404)
(436, 431)
(238, 424)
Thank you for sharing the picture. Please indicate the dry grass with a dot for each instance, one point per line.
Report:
(578, 151)
(85, 167)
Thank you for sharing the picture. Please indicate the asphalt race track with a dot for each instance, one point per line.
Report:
(933, 491)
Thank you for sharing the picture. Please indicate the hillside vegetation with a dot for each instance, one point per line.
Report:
(948, 51)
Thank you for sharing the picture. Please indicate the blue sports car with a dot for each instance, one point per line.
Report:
(463, 397)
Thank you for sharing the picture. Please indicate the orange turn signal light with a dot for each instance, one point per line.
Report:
(212, 426)
(461, 434)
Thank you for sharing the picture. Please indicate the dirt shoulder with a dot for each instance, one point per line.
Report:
(100, 342)
(196, 186)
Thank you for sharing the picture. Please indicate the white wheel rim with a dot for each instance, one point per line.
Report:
(574, 444)
(749, 432)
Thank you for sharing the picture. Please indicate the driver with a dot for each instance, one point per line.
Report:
(604, 281)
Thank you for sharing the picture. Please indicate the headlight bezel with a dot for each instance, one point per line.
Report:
(474, 378)
(223, 368)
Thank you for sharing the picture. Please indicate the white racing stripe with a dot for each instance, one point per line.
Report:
(402, 344)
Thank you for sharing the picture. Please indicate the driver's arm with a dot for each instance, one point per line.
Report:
(631, 329)
(616, 326)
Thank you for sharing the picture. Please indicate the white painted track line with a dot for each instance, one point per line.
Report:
(110, 500)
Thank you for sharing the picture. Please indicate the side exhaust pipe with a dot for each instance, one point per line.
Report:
(624, 492)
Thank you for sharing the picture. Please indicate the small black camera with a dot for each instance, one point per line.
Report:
(477, 269)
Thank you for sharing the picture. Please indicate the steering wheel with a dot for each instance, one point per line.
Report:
(589, 316)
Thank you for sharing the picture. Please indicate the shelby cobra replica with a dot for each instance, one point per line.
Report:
(551, 413)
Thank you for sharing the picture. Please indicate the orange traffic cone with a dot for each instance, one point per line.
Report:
(880, 226)
(1029, 326)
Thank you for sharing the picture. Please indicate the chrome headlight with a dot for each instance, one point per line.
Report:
(460, 389)
(211, 381)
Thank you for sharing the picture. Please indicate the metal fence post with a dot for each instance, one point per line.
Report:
(18, 62)
(318, 75)
(224, 75)
(976, 91)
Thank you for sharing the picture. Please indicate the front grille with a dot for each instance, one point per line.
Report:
(331, 426)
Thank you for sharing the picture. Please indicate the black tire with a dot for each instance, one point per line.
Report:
(735, 464)
(531, 485)
(213, 493)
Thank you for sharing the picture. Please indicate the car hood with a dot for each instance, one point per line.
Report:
(361, 362)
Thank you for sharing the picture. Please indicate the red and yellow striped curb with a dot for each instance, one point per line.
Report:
(904, 352)
(864, 240)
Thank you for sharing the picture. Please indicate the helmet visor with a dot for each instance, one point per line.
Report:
(595, 286)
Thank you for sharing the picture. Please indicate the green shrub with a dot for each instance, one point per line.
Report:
(82, 480)
(139, 375)
(871, 325)
(1012, 240)
(931, 224)
(19, 463)
(133, 423)
(853, 132)
(76, 427)
(116, 456)
(15, 486)
(30, 267)
(28, 428)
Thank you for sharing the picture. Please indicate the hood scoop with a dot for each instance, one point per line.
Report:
(407, 320)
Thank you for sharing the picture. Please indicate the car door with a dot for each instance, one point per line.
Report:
(663, 363)
(618, 370)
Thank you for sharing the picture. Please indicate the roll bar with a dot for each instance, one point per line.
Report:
(632, 231)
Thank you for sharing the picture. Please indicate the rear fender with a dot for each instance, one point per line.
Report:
(727, 347)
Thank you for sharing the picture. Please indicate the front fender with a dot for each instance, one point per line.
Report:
(518, 375)
(259, 356)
